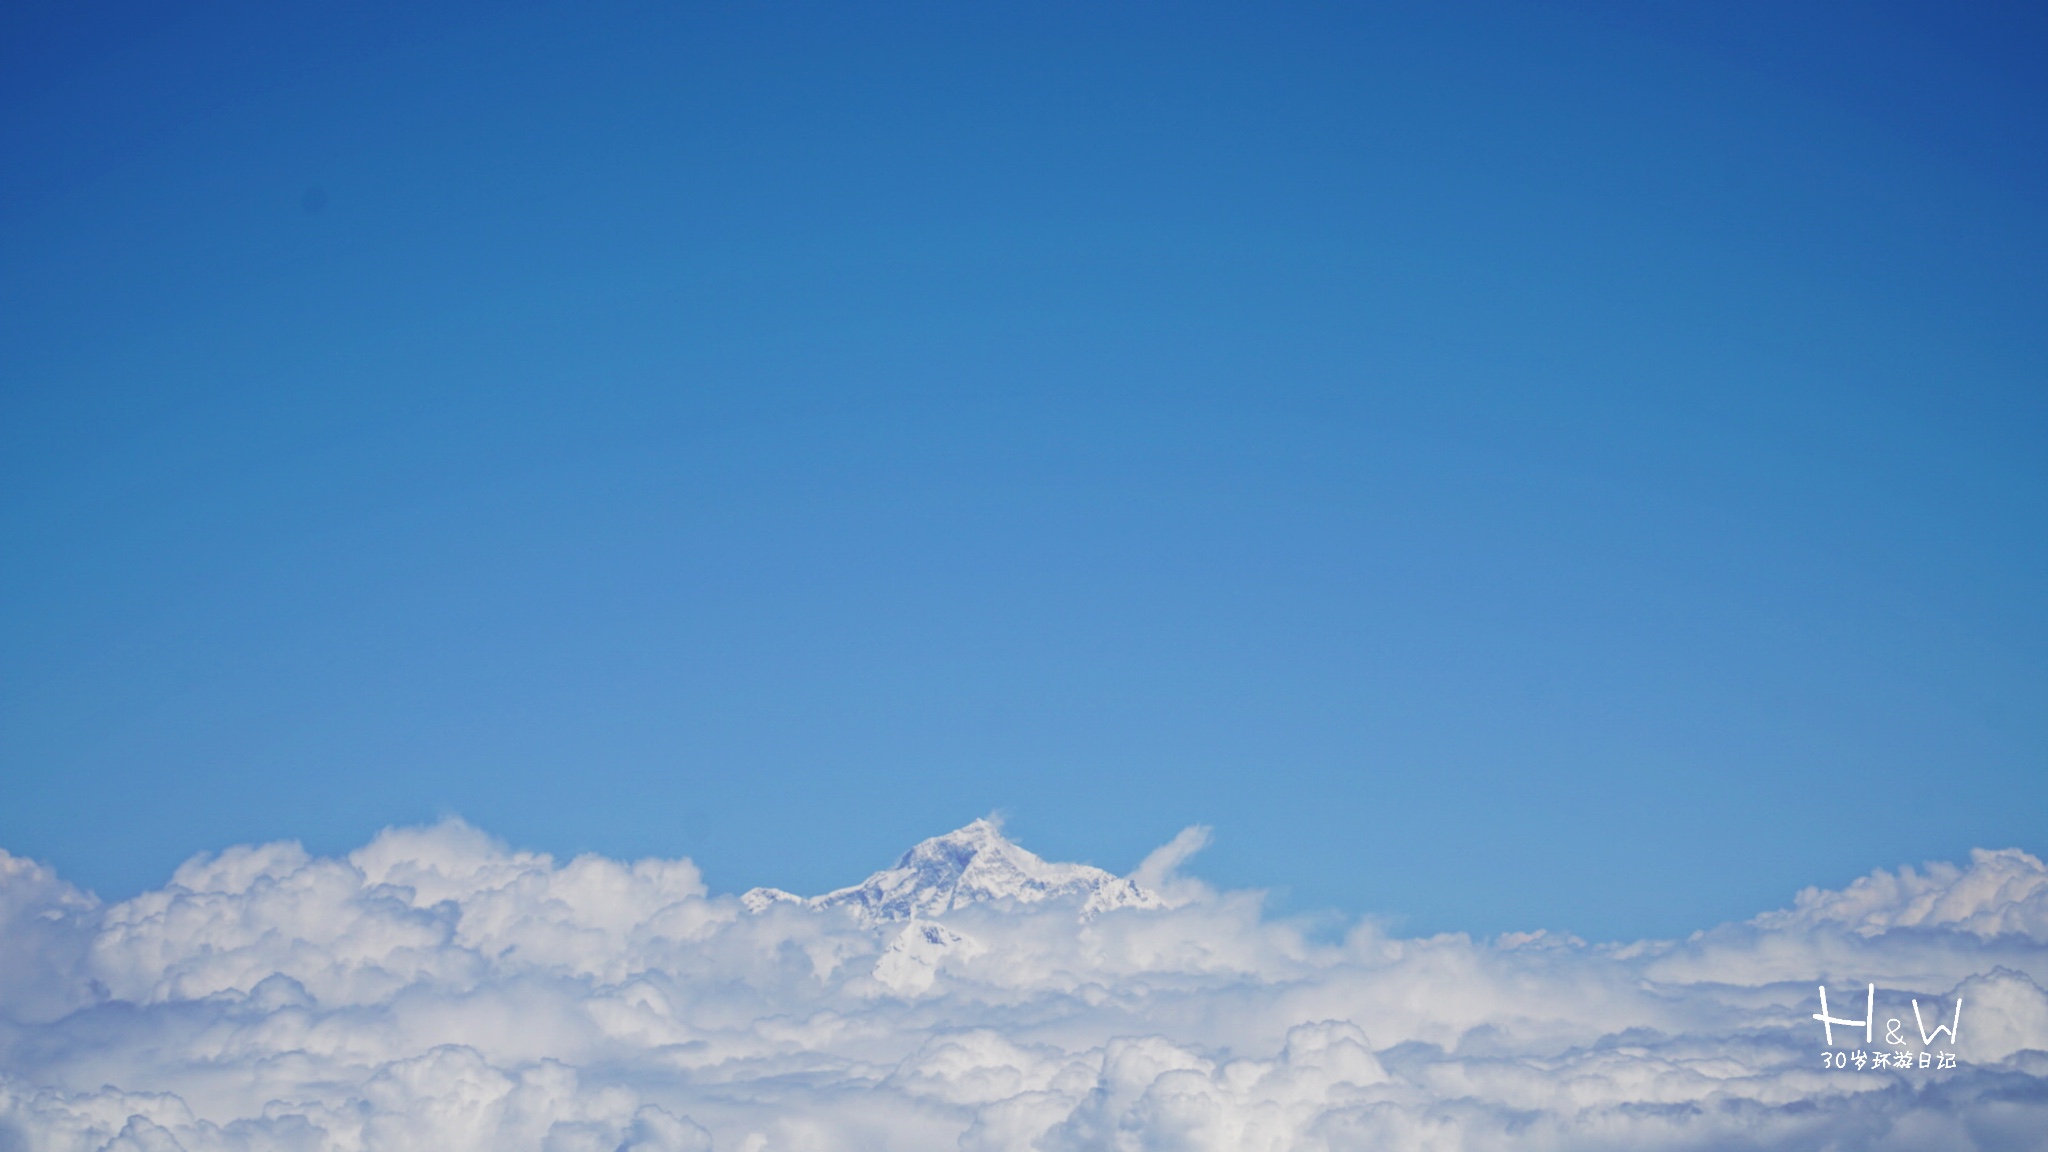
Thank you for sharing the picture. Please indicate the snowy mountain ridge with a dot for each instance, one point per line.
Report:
(972, 865)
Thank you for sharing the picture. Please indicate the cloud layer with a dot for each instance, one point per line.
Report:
(437, 990)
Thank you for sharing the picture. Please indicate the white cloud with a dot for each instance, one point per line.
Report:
(1160, 870)
(2000, 894)
(437, 990)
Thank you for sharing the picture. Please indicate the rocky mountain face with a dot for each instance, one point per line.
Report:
(973, 865)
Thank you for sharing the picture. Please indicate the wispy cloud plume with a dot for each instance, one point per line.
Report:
(437, 990)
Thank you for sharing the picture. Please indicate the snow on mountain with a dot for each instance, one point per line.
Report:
(973, 865)
(910, 964)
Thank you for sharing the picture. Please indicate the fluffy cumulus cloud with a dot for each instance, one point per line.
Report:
(438, 990)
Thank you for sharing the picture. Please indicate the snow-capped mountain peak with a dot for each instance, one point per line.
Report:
(973, 865)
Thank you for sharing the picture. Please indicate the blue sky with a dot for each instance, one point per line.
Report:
(1501, 465)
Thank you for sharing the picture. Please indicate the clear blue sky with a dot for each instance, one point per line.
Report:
(1543, 464)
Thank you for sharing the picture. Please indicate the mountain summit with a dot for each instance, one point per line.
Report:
(974, 865)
